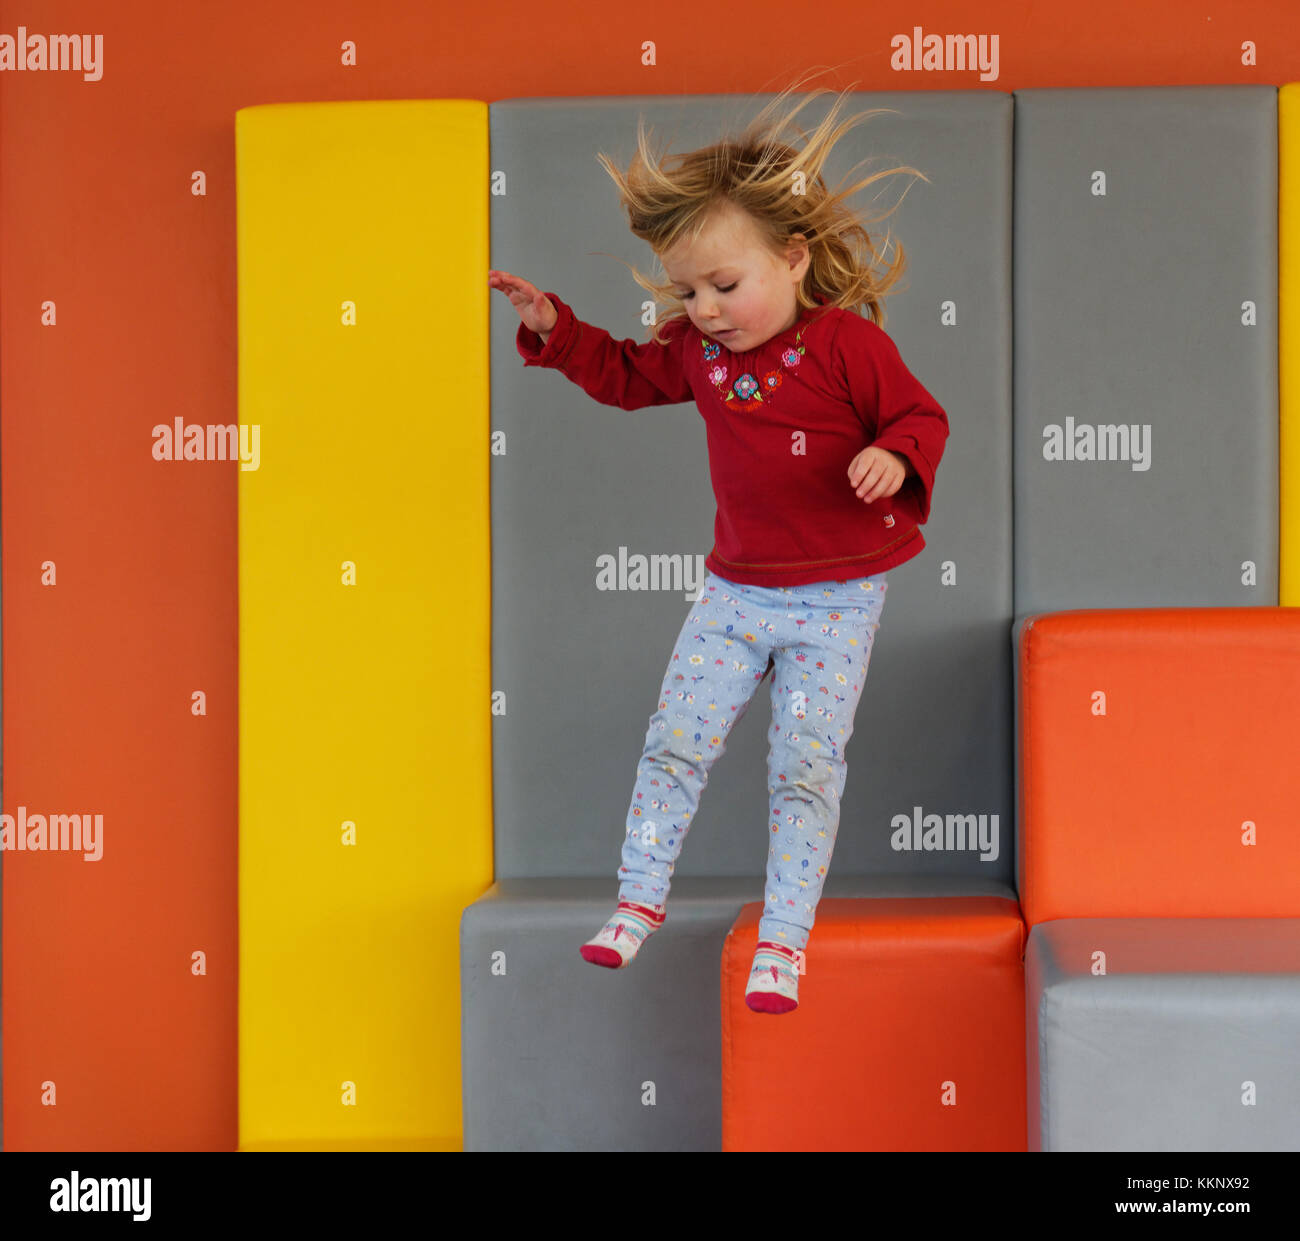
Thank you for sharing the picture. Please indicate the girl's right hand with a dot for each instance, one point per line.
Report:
(534, 307)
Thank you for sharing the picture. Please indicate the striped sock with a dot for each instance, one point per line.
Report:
(773, 979)
(619, 940)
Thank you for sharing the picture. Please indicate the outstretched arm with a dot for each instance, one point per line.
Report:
(625, 373)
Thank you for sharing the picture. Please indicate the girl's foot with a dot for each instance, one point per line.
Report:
(620, 939)
(773, 980)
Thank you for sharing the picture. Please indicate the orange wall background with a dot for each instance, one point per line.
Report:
(98, 215)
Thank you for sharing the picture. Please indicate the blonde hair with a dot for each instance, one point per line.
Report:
(757, 172)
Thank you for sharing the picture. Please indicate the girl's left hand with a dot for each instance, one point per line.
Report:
(877, 473)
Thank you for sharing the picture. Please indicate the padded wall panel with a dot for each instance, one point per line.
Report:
(581, 486)
(1158, 772)
(362, 702)
(1288, 288)
(1146, 347)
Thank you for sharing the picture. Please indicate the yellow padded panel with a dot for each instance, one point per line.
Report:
(1288, 308)
(362, 234)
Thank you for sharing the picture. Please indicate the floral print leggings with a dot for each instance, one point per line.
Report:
(816, 640)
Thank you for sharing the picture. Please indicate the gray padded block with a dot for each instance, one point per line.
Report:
(1165, 1050)
(580, 667)
(558, 1054)
(1129, 313)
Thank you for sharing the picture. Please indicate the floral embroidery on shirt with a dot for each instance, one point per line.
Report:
(747, 391)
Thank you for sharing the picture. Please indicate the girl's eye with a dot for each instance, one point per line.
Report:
(688, 296)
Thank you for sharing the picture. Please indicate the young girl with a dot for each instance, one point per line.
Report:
(822, 453)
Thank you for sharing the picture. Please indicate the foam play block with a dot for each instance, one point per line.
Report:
(909, 1035)
(364, 733)
(1163, 1034)
(563, 1055)
(1157, 768)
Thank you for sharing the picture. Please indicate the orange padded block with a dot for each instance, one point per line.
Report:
(909, 1035)
(1158, 771)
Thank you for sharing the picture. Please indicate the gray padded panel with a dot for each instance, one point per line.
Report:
(581, 668)
(1018, 627)
(1153, 1055)
(555, 1051)
(2, 802)
(1128, 310)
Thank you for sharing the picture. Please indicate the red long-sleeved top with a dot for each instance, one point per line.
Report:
(784, 421)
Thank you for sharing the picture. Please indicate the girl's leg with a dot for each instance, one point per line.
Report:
(722, 655)
(821, 668)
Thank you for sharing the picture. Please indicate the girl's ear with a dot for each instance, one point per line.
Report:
(797, 252)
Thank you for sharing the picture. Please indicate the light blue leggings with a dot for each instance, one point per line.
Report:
(817, 641)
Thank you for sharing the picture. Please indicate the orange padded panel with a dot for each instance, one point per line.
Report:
(909, 1035)
(1158, 772)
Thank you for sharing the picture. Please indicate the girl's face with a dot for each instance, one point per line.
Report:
(734, 289)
